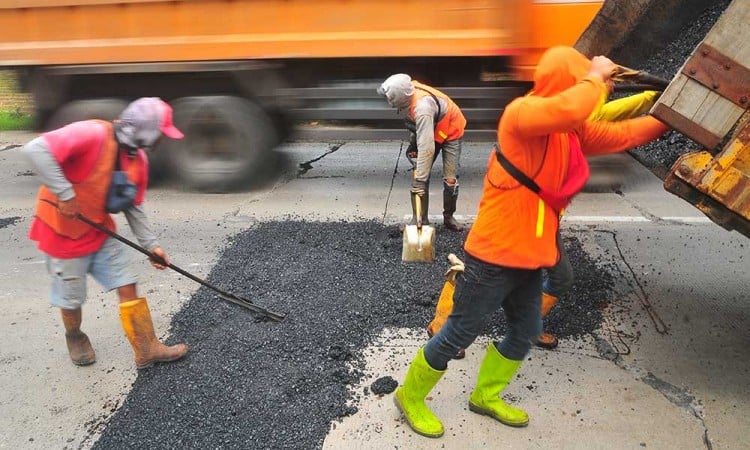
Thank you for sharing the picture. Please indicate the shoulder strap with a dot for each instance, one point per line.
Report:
(117, 159)
(515, 172)
(437, 102)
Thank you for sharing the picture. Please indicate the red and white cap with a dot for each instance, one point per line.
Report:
(148, 117)
(167, 126)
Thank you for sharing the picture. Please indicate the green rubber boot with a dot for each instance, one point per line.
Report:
(494, 375)
(409, 398)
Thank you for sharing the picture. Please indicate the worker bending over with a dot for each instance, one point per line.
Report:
(436, 125)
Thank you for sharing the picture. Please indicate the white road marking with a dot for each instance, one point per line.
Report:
(469, 218)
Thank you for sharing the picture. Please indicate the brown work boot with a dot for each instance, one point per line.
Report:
(79, 347)
(136, 320)
(451, 223)
(450, 196)
(159, 352)
(547, 340)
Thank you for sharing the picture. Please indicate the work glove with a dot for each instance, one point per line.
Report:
(411, 154)
(418, 187)
(411, 151)
(457, 266)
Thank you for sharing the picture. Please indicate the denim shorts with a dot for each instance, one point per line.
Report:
(110, 266)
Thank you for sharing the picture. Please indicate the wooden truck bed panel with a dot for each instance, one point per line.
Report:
(707, 98)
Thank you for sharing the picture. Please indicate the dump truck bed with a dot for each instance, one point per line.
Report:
(37, 32)
(109, 31)
(707, 101)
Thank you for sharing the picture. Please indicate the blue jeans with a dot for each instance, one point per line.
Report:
(480, 291)
(560, 276)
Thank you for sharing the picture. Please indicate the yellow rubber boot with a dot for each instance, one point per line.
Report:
(139, 328)
(495, 373)
(409, 398)
(547, 340)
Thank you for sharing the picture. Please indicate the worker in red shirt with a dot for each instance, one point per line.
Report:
(532, 174)
(76, 164)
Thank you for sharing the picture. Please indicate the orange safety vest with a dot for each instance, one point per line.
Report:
(91, 194)
(453, 123)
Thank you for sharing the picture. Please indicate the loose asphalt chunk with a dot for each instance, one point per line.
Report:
(249, 383)
(8, 221)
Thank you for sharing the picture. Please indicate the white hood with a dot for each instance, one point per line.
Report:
(398, 90)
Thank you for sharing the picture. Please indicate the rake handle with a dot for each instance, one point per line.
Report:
(223, 294)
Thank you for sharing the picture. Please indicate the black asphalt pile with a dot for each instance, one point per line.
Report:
(578, 312)
(250, 383)
(660, 155)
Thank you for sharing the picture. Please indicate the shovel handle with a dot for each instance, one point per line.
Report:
(625, 73)
(418, 211)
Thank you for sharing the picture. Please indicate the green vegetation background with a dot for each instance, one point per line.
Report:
(16, 109)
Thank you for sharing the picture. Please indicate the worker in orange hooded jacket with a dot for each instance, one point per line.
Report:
(531, 176)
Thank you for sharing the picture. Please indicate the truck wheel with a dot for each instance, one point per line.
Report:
(99, 108)
(228, 143)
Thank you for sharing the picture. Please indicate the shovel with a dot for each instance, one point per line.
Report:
(419, 240)
(627, 74)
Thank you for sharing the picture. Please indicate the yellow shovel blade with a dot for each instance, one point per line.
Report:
(419, 244)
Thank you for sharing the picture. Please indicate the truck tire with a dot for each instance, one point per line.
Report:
(228, 143)
(98, 108)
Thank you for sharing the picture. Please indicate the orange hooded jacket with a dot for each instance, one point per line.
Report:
(514, 227)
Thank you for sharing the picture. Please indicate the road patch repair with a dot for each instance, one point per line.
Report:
(248, 382)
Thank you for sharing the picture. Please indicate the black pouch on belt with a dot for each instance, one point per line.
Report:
(122, 191)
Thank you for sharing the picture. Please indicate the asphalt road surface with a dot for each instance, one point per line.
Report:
(655, 335)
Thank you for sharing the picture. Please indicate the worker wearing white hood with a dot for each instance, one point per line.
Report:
(436, 124)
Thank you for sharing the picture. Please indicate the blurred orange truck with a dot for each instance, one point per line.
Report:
(238, 72)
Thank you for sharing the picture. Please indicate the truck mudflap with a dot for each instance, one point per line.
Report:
(718, 185)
